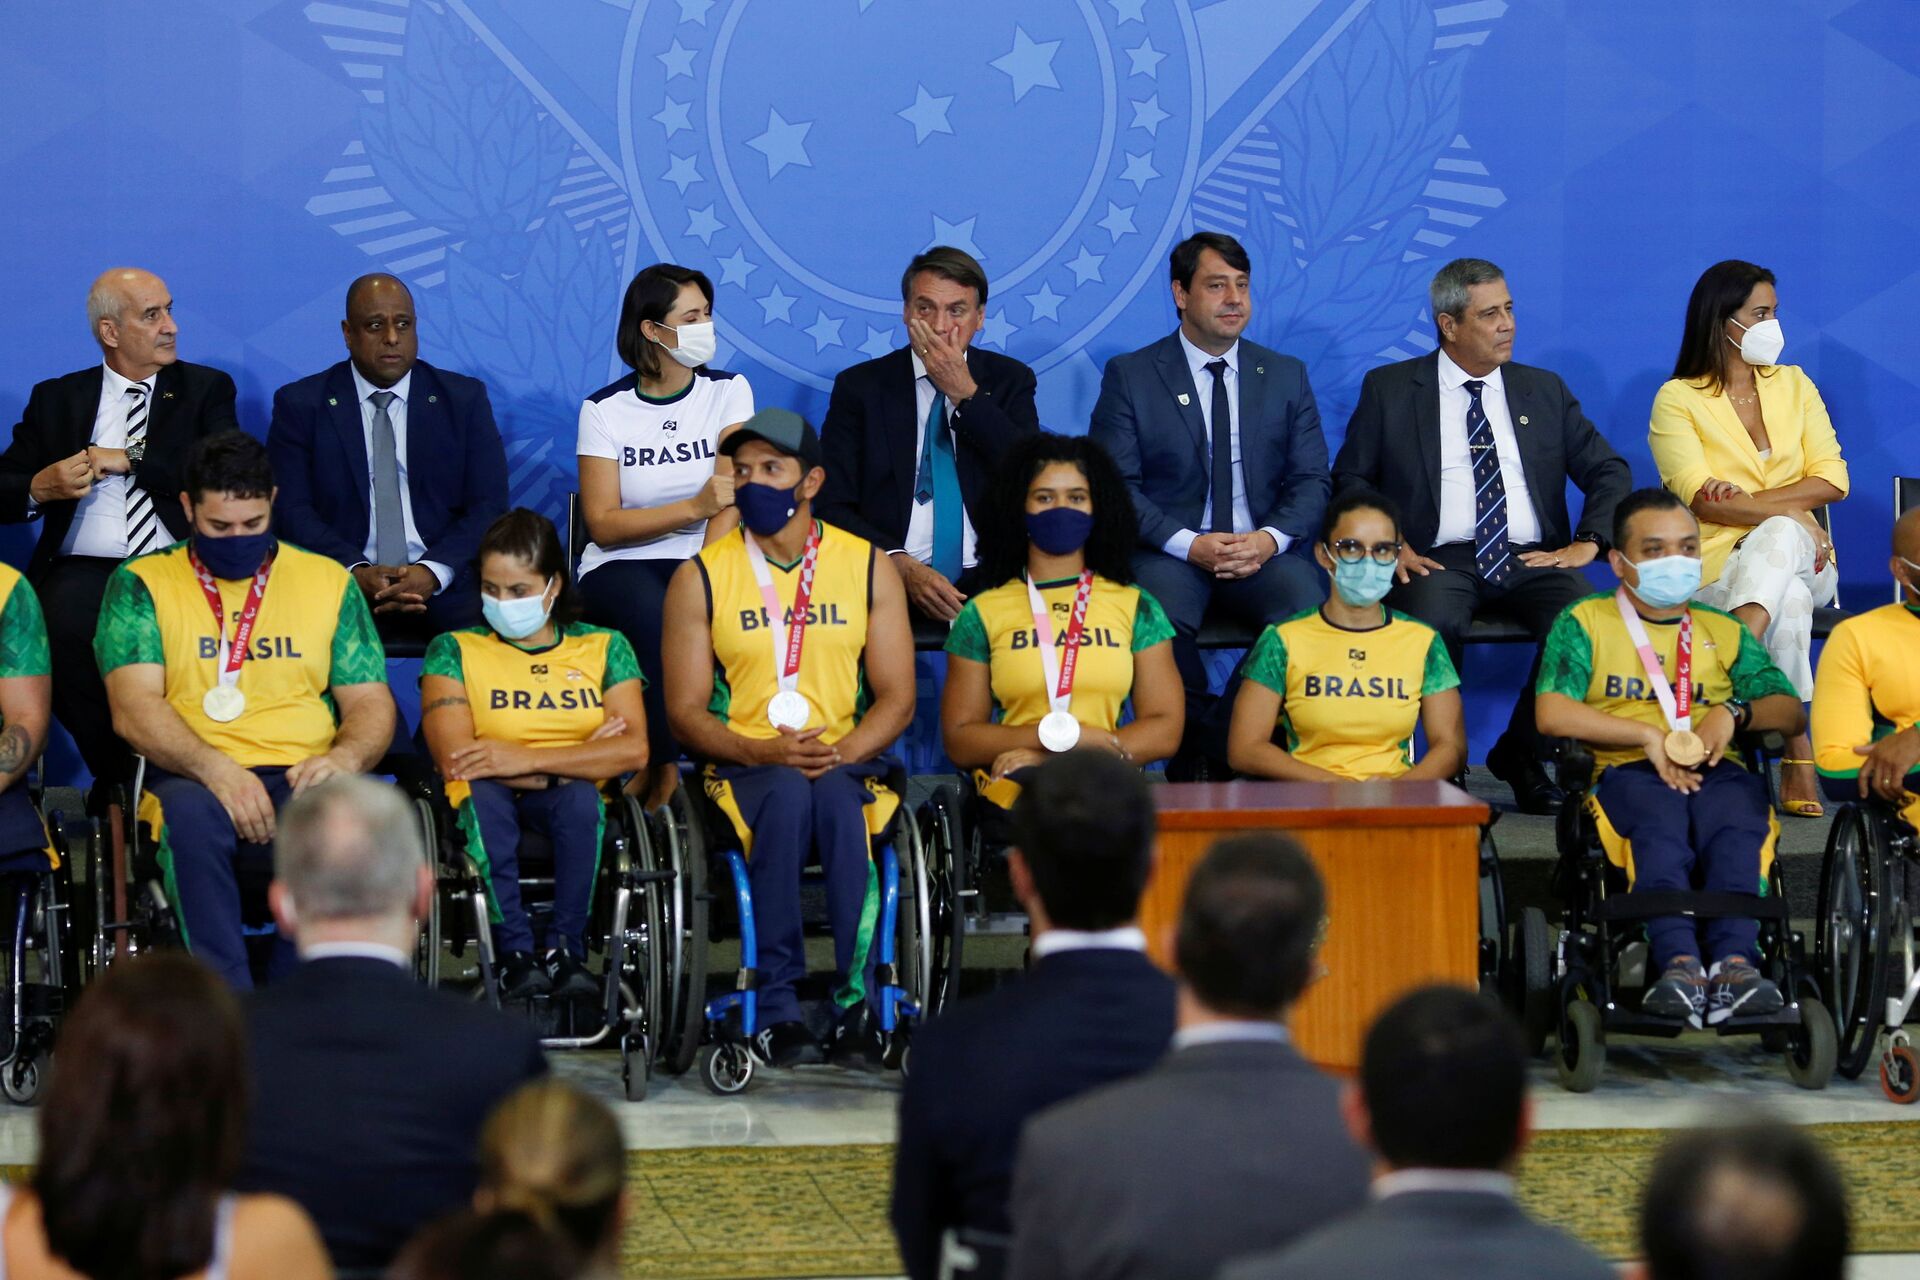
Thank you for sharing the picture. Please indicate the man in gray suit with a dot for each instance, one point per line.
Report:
(1233, 1143)
(1442, 1100)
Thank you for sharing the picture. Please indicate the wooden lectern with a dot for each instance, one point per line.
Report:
(1401, 864)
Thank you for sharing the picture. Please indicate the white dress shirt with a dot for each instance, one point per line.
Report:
(99, 525)
(1231, 1031)
(1054, 941)
(920, 515)
(358, 951)
(1457, 513)
(1197, 360)
(1486, 1182)
(396, 414)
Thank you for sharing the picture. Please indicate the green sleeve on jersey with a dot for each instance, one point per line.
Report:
(129, 630)
(1150, 624)
(358, 655)
(444, 658)
(23, 635)
(1754, 675)
(622, 665)
(1566, 663)
(1440, 675)
(1267, 664)
(968, 636)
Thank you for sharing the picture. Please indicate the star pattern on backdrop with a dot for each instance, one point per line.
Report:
(1029, 64)
(1045, 302)
(1146, 59)
(957, 234)
(683, 173)
(1118, 222)
(1086, 266)
(695, 10)
(673, 116)
(927, 115)
(702, 223)
(824, 332)
(678, 60)
(995, 331)
(1139, 170)
(879, 343)
(1148, 115)
(778, 306)
(736, 269)
(1125, 11)
(783, 143)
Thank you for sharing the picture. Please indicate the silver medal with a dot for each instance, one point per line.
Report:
(789, 710)
(224, 702)
(1059, 731)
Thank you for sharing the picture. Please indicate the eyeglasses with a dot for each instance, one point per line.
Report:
(1353, 551)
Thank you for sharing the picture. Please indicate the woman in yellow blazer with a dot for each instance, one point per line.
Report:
(1746, 442)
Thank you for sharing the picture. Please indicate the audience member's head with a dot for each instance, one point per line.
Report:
(555, 1154)
(1083, 842)
(1905, 562)
(1752, 1202)
(1249, 927)
(487, 1246)
(348, 865)
(130, 312)
(1443, 1083)
(1041, 477)
(143, 1120)
(381, 329)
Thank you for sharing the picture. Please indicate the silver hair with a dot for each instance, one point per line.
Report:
(1448, 292)
(349, 849)
(105, 301)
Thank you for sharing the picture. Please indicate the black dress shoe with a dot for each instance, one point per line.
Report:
(568, 977)
(521, 977)
(1533, 790)
(856, 1041)
(788, 1044)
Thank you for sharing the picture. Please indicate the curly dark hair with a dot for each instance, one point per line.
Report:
(1003, 533)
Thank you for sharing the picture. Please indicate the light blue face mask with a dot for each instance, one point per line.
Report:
(1668, 581)
(516, 619)
(1364, 583)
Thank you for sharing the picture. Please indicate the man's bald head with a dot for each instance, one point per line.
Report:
(376, 281)
(1906, 552)
(130, 312)
(379, 328)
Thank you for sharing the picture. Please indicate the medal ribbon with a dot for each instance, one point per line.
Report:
(1058, 667)
(786, 653)
(1675, 703)
(234, 654)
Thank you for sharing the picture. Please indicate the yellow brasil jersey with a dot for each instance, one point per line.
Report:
(1590, 658)
(313, 633)
(1350, 700)
(1868, 686)
(996, 627)
(547, 697)
(832, 667)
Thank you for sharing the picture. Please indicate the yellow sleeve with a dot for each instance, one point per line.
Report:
(1678, 451)
(1817, 439)
(1842, 707)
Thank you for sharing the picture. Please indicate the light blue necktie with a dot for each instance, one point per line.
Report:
(939, 483)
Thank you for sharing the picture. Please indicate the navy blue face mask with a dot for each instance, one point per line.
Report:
(233, 557)
(764, 509)
(1059, 531)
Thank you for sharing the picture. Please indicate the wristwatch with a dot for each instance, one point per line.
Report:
(1741, 711)
(1599, 543)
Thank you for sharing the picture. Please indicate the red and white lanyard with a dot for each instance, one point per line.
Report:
(786, 639)
(1058, 667)
(1675, 697)
(232, 654)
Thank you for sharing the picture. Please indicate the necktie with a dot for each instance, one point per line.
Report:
(1491, 555)
(1222, 449)
(389, 521)
(939, 483)
(144, 530)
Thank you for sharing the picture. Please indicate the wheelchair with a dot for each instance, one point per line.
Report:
(45, 960)
(1864, 947)
(914, 974)
(1583, 982)
(637, 922)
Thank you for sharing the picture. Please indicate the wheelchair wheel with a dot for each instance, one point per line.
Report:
(1493, 916)
(1582, 1053)
(1812, 1047)
(681, 847)
(947, 856)
(916, 942)
(637, 942)
(1530, 978)
(1851, 942)
(426, 950)
(726, 1068)
(636, 1067)
(20, 1080)
(1900, 1074)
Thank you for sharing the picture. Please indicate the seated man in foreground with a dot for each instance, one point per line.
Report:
(1658, 688)
(245, 670)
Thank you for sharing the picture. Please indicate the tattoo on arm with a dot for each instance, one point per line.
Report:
(437, 703)
(16, 749)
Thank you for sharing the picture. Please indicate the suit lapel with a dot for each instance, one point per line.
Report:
(343, 414)
(1171, 360)
(1525, 413)
(1426, 422)
(899, 410)
(1252, 375)
(84, 408)
(426, 420)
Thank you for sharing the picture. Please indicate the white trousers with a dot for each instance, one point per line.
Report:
(1773, 568)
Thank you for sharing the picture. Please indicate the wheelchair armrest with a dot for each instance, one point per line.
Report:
(1573, 765)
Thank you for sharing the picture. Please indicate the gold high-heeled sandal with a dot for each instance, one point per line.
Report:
(1801, 808)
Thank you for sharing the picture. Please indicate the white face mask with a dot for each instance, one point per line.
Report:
(1762, 343)
(697, 343)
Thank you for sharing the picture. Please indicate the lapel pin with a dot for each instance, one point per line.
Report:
(1523, 419)
(334, 401)
(1259, 368)
(1183, 397)
(166, 395)
(432, 399)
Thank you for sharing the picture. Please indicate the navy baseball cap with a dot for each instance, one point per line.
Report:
(784, 429)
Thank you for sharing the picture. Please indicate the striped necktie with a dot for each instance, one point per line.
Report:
(144, 530)
(1491, 554)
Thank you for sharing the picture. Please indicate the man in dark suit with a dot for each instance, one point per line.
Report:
(912, 437)
(1478, 451)
(1092, 1009)
(1254, 1126)
(1220, 444)
(391, 466)
(369, 1089)
(1442, 1100)
(98, 458)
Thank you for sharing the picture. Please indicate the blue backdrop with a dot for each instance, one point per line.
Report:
(518, 160)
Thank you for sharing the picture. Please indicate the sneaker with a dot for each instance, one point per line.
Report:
(1680, 994)
(1736, 988)
(521, 977)
(568, 977)
(856, 1041)
(788, 1044)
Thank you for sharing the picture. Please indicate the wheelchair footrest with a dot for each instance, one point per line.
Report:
(1627, 1021)
(1698, 906)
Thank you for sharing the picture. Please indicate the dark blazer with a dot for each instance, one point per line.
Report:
(1161, 444)
(456, 465)
(869, 432)
(1393, 445)
(1222, 1150)
(189, 401)
(1435, 1235)
(1077, 1020)
(369, 1092)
